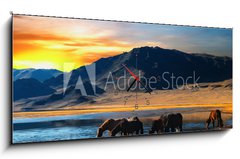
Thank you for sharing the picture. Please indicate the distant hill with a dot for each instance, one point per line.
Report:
(71, 96)
(154, 61)
(39, 74)
(27, 88)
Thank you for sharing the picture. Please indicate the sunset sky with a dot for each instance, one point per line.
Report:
(42, 42)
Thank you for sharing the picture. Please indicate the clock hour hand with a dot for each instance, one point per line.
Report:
(131, 85)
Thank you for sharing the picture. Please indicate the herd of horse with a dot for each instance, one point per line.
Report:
(168, 122)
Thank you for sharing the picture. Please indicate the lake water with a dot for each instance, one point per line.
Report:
(74, 127)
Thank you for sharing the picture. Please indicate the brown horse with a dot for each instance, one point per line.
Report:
(215, 115)
(109, 125)
(128, 127)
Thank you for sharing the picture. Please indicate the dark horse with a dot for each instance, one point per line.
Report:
(109, 125)
(128, 127)
(172, 121)
(157, 126)
(215, 115)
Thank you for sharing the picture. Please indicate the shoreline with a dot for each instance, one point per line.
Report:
(225, 107)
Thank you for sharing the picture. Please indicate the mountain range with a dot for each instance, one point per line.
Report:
(151, 61)
(39, 74)
(154, 61)
(27, 88)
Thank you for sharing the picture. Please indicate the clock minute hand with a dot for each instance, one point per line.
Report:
(136, 77)
(147, 90)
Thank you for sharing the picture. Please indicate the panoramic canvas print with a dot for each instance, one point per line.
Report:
(87, 79)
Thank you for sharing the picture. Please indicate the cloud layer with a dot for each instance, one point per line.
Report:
(39, 40)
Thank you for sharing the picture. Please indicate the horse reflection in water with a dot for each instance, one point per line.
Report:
(109, 125)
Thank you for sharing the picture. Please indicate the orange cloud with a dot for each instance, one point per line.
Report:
(34, 49)
(51, 42)
(31, 36)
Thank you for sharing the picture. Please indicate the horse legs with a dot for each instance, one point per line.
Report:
(213, 123)
(173, 129)
(166, 129)
(218, 123)
(180, 127)
(208, 123)
(137, 132)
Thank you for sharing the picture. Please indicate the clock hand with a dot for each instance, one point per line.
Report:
(147, 90)
(131, 85)
(136, 79)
